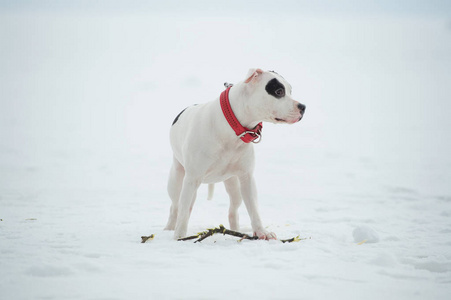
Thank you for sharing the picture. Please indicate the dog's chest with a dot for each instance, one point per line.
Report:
(226, 164)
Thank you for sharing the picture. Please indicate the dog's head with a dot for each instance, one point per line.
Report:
(269, 95)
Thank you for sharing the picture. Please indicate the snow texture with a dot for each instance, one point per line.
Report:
(87, 97)
(365, 234)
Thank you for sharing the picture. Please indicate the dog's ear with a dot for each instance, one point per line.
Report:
(252, 74)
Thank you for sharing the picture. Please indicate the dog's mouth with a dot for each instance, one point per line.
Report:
(291, 121)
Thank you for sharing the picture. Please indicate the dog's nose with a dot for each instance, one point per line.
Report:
(301, 108)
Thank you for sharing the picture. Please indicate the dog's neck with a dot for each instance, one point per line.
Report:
(245, 114)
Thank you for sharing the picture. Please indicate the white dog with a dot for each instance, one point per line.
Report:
(212, 143)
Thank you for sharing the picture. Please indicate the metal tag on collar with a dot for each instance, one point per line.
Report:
(256, 140)
(259, 135)
(227, 85)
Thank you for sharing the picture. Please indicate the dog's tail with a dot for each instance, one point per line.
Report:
(211, 191)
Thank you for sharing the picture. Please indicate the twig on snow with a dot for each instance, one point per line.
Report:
(224, 231)
(221, 229)
(147, 238)
(295, 239)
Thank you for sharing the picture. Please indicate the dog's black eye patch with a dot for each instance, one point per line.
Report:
(275, 88)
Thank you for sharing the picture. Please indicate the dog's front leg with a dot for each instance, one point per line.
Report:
(232, 186)
(249, 193)
(187, 198)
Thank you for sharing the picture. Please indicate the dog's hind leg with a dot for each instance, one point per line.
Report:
(175, 182)
(232, 186)
(211, 191)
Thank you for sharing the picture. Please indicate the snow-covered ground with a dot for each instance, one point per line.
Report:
(86, 102)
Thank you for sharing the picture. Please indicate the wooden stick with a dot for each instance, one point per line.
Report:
(221, 229)
(147, 238)
(188, 238)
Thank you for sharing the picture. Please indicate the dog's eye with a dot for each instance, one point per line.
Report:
(280, 92)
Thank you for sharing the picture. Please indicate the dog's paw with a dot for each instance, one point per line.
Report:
(265, 235)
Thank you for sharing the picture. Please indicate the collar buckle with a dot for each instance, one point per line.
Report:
(257, 135)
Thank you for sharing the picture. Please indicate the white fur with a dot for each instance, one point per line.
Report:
(207, 150)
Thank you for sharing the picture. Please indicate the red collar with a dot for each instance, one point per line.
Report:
(245, 134)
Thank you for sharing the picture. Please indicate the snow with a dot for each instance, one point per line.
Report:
(365, 234)
(87, 99)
